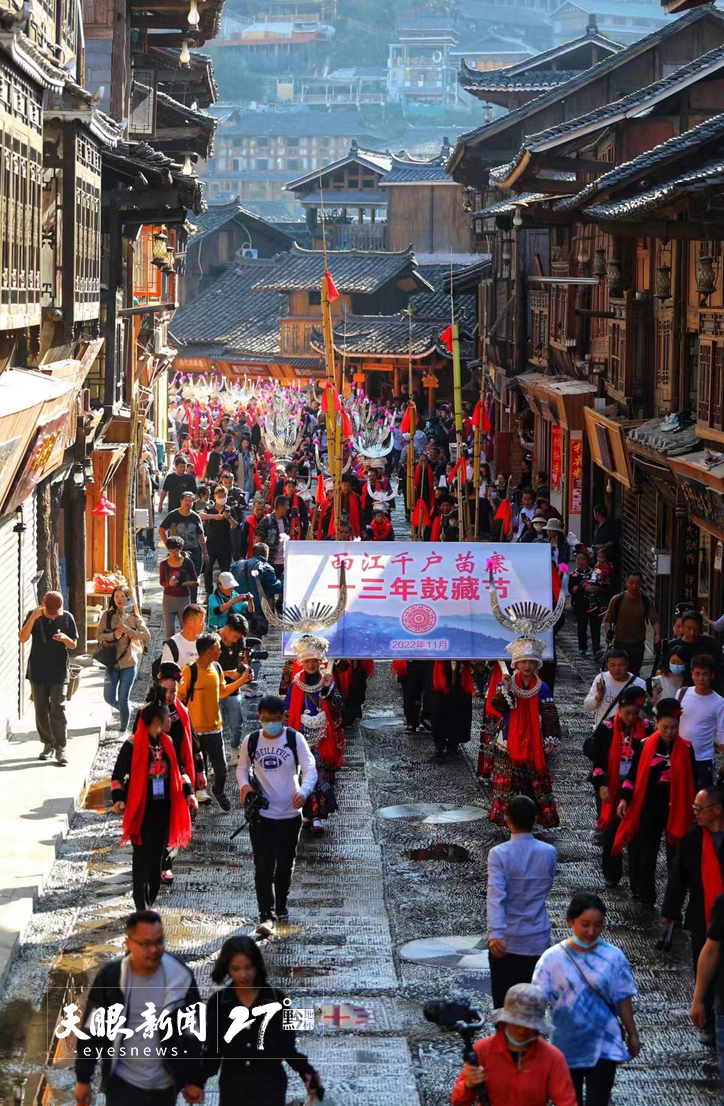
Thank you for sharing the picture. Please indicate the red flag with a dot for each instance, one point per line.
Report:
(329, 390)
(346, 425)
(504, 514)
(421, 511)
(447, 338)
(476, 414)
(405, 424)
(332, 292)
(456, 469)
(486, 424)
(319, 496)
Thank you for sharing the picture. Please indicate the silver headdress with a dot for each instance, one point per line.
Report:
(322, 468)
(525, 619)
(382, 497)
(307, 618)
(374, 435)
(281, 428)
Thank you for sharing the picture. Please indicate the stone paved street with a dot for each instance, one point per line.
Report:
(356, 900)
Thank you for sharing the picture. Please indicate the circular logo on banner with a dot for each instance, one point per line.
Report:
(418, 619)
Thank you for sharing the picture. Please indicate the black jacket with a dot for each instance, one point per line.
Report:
(685, 877)
(241, 1058)
(182, 1058)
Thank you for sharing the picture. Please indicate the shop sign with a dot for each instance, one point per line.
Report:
(575, 505)
(240, 369)
(691, 562)
(556, 459)
(42, 457)
(703, 502)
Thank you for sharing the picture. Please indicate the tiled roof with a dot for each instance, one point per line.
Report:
(603, 116)
(353, 271)
(607, 65)
(672, 150)
(383, 334)
(275, 211)
(195, 115)
(710, 175)
(671, 441)
(499, 80)
(508, 206)
(216, 215)
(296, 124)
(415, 172)
(589, 38)
(139, 157)
(227, 311)
(423, 142)
(201, 68)
(477, 11)
(369, 159)
(436, 305)
(631, 9)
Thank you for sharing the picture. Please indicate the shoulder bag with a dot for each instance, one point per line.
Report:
(611, 1009)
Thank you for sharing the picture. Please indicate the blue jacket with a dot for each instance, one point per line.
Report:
(216, 618)
(267, 577)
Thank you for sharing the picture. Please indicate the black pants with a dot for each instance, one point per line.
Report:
(612, 866)
(451, 718)
(414, 687)
(259, 1089)
(217, 554)
(274, 842)
(643, 851)
(506, 971)
(50, 720)
(704, 773)
(148, 861)
(212, 749)
(120, 1093)
(635, 655)
(584, 620)
(598, 1080)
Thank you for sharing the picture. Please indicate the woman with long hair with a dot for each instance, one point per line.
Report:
(154, 798)
(126, 630)
(589, 987)
(179, 581)
(247, 1035)
(656, 800)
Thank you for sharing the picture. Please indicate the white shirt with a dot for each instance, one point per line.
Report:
(187, 651)
(702, 721)
(612, 688)
(277, 773)
(397, 438)
(526, 513)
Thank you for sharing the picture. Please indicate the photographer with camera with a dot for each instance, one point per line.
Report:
(276, 774)
(515, 1067)
(256, 574)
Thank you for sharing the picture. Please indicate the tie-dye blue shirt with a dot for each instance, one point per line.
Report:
(585, 1028)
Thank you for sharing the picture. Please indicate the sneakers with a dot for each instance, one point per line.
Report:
(60, 758)
(282, 915)
(167, 876)
(317, 826)
(234, 757)
(203, 796)
(223, 801)
(46, 753)
(410, 729)
(265, 928)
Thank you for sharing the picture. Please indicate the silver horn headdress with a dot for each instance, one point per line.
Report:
(374, 435)
(281, 428)
(525, 619)
(307, 618)
(382, 496)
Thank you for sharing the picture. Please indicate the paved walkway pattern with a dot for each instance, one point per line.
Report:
(356, 899)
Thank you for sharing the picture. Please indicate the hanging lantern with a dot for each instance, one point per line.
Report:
(599, 262)
(77, 475)
(170, 260)
(613, 275)
(184, 58)
(705, 279)
(104, 507)
(663, 282)
(187, 170)
(193, 16)
(88, 470)
(160, 246)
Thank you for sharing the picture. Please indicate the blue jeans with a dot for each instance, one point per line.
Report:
(117, 689)
(231, 715)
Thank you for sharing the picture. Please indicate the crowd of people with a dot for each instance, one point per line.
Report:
(227, 507)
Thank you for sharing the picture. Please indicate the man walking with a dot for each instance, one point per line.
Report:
(181, 648)
(175, 484)
(280, 765)
(626, 620)
(186, 524)
(702, 717)
(606, 689)
(272, 531)
(255, 574)
(520, 875)
(54, 634)
(698, 870)
(219, 520)
(202, 688)
(141, 1067)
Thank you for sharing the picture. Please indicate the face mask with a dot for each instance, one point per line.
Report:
(584, 944)
(515, 1043)
(274, 729)
(677, 669)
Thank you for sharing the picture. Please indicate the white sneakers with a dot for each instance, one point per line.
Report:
(265, 928)
(203, 796)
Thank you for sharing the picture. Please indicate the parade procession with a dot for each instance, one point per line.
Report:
(361, 553)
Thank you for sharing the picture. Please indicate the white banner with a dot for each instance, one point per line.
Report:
(418, 599)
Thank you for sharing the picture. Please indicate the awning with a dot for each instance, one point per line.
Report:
(702, 488)
(607, 442)
(559, 400)
(28, 399)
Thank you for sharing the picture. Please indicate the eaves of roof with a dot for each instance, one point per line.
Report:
(379, 163)
(603, 68)
(710, 175)
(355, 272)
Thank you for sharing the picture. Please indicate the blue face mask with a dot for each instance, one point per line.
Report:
(515, 1043)
(677, 669)
(273, 729)
(584, 944)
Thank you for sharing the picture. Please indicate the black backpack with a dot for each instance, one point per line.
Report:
(194, 669)
(156, 665)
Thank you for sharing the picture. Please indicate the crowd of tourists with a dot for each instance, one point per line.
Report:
(226, 510)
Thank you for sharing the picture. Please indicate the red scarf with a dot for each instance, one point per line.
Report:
(252, 522)
(399, 668)
(343, 677)
(423, 475)
(441, 682)
(328, 747)
(504, 514)
(179, 830)
(187, 745)
(608, 810)
(525, 741)
(381, 529)
(711, 874)
(496, 678)
(682, 794)
(353, 513)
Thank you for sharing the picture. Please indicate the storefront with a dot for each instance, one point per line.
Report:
(701, 488)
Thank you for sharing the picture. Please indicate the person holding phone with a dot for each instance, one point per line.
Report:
(122, 626)
(54, 634)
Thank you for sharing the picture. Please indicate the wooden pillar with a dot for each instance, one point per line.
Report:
(360, 215)
(120, 61)
(48, 515)
(520, 307)
(75, 544)
(396, 379)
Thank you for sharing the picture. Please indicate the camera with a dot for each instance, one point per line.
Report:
(467, 1021)
(257, 655)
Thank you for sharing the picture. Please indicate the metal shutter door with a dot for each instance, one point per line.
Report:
(13, 687)
(639, 536)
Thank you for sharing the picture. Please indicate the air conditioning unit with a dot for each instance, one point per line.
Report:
(248, 252)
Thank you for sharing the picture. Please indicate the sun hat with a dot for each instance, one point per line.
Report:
(525, 1004)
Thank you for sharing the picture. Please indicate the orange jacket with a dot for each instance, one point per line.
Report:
(544, 1076)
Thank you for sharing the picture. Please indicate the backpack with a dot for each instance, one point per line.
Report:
(156, 665)
(194, 669)
(619, 600)
(254, 742)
